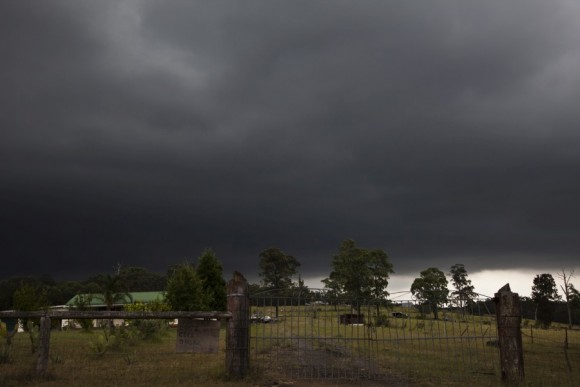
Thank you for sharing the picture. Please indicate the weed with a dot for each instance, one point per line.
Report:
(5, 356)
(130, 358)
(34, 335)
(56, 359)
(383, 321)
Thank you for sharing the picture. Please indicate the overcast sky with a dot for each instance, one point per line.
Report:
(142, 132)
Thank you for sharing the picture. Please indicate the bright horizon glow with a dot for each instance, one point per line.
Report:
(486, 282)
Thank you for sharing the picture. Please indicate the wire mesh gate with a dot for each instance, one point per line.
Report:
(316, 336)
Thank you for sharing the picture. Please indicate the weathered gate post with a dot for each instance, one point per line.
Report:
(44, 346)
(238, 334)
(509, 318)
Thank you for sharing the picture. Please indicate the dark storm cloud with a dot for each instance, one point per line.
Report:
(142, 132)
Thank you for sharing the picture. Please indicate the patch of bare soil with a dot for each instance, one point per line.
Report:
(303, 365)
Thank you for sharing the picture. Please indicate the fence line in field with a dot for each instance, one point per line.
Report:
(308, 340)
(402, 342)
(236, 320)
(320, 337)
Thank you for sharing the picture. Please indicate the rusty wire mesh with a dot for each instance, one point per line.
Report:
(399, 341)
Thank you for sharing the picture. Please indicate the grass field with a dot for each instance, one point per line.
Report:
(453, 350)
(74, 361)
(307, 346)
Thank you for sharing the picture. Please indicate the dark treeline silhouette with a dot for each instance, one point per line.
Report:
(134, 279)
(529, 309)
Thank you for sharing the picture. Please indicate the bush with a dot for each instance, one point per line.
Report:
(4, 345)
(113, 340)
(184, 289)
(148, 329)
(383, 320)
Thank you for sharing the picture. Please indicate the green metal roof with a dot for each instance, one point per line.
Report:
(97, 299)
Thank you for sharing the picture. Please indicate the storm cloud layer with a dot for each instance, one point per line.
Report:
(142, 132)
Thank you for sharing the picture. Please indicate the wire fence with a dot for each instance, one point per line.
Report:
(397, 342)
(292, 337)
(552, 355)
(120, 356)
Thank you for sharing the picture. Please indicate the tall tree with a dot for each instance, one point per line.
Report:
(463, 292)
(210, 273)
(544, 292)
(431, 289)
(277, 268)
(359, 274)
(184, 289)
(333, 290)
(566, 289)
(112, 291)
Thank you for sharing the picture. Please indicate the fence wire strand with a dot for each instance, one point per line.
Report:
(399, 342)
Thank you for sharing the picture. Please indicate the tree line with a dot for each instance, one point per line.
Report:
(360, 274)
(356, 274)
(187, 287)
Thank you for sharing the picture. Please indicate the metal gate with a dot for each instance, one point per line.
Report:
(312, 335)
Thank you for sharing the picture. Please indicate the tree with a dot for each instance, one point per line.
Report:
(304, 294)
(574, 299)
(138, 279)
(9, 286)
(83, 302)
(333, 290)
(359, 274)
(544, 292)
(184, 289)
(431, 289)
(277, 268)
(565, 277)
(29, 298)
(61, 292)
(112, 291)
(463, 288)
(209, 271)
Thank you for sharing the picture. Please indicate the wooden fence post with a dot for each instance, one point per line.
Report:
(238, 334)
(43, 346)
(509, 318)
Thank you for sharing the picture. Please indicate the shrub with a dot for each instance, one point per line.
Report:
(112, 340)
(148, 329)
(383, 320)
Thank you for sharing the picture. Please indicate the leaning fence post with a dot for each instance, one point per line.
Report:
(238, 334)
(43, 346)
(509, 318)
